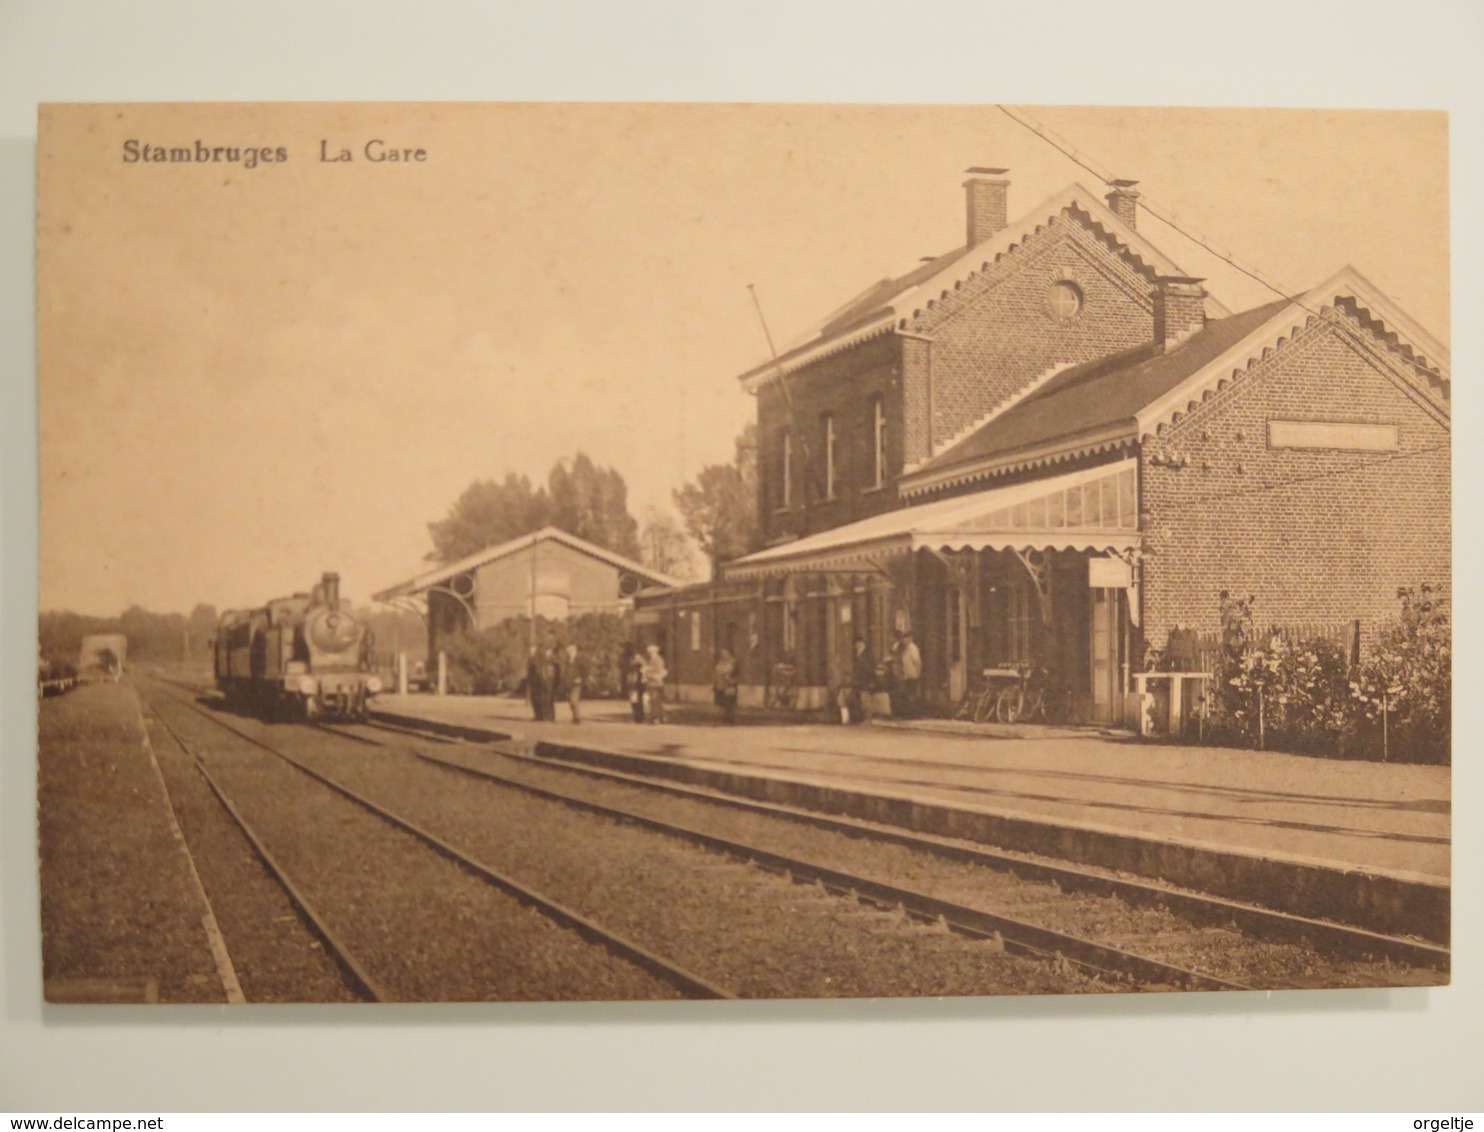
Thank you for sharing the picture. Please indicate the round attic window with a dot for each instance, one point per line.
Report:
(1065, 299)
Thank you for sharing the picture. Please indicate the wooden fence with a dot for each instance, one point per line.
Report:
(1344, 634)
(1189, 651)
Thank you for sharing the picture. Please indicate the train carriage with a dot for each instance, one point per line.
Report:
(303, 657)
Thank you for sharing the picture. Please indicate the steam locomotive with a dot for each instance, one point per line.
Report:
(299, 657)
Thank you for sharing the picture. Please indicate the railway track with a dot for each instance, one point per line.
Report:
(1257, 922)
(368, 987)
(1016, 935)
(1104, 953)
(371, 988)
(1112, 967)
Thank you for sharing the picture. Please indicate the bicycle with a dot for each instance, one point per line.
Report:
(977, 704)
(980, 704)
(1033, 698)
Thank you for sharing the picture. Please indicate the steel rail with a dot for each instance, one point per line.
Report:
(359, 976)
(1263, 923)
(1016, 935)
(684, 980)
(396, 729)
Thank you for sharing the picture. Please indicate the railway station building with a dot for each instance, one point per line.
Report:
(550, 573)
(1054, 448)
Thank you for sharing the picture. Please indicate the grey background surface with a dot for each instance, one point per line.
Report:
(1360, 1050)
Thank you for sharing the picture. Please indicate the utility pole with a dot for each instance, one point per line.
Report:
(535, 551)
(809, 471)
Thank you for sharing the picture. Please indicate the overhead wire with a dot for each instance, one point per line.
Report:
(1069, 151)
(1066, 149)
(1168, 217)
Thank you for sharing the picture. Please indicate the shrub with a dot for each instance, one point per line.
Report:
(1302, 694)
(1404, 690)
(493, 661)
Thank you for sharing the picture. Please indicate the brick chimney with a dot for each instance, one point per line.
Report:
(1179, 309)
(1122, 199)
(987, 196)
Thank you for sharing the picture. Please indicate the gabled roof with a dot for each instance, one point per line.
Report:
(1121, 398)
(505, 549)
(1408, 352)
(892, 303)
(1092, 404)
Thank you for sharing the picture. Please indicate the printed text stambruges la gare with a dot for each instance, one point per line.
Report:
(375, 151)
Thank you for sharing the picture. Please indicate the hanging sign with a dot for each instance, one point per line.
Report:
(1109, 574)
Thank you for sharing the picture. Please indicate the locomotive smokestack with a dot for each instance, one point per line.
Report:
(331, 583)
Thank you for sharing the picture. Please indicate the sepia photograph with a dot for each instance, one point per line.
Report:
(542, 552)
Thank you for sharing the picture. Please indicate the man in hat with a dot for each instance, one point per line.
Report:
(574, 675)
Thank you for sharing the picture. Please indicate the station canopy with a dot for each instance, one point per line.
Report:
(1095, 509)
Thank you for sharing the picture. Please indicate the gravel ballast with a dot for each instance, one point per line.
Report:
(119, 905)
(1224, 952)
(421, 925)
(757, 933)
(275, 954)
(425, 926)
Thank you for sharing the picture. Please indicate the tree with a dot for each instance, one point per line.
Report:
(720, 507)
(487, 513)
(154, 636)
(592, 503)
(746, 461)
(665, 545)
(492, 661)
(580, 497)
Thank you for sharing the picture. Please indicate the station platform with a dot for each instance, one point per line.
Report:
(1358, 842)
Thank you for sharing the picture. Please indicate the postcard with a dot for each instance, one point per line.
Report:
(502, 552)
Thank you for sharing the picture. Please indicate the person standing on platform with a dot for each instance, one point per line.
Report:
(724, 683)
(551, 674)
(574, 674)
(862, 684)
(654, 685)
(909, 673)
(533, 683)
(631, 672)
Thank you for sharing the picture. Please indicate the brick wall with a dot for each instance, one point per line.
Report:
(988, 339)
(844, 385)
(997, 331)
(693, 624)
(1314, 535)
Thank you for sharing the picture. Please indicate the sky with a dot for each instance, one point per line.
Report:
(250, 376)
